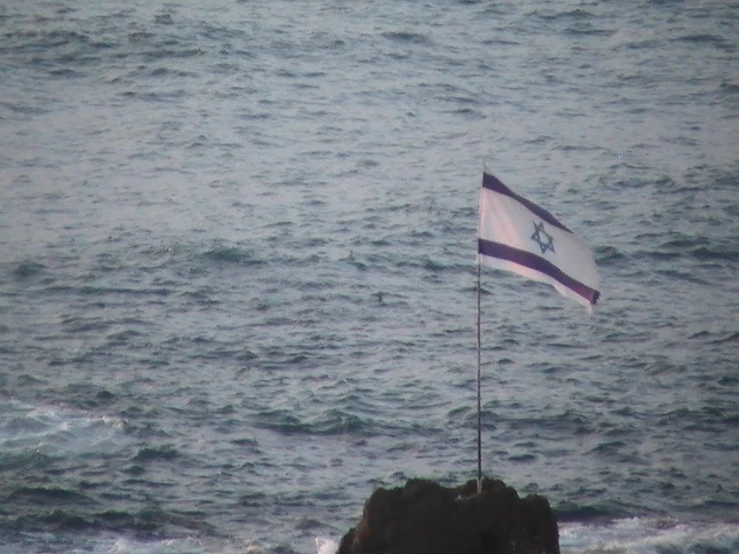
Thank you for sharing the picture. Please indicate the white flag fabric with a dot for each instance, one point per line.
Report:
(519, 236)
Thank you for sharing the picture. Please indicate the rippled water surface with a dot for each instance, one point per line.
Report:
(237, 281)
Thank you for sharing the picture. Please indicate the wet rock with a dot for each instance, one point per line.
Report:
(424, 517)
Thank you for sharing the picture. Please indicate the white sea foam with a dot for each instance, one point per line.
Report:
(187, 545)
(326, 546)
(647, 536)
(630, 536)
(170, 546)
(54, 430)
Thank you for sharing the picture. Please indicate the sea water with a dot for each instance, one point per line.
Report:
(238, 283)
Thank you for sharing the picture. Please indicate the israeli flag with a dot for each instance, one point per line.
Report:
(517, 235)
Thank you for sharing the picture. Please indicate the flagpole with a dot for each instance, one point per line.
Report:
(479, 393)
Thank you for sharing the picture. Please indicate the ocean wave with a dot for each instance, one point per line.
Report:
(407, 37)
(154, 453)
(148, 522)
(331, 422)
(233, 254)
(707, 39)
(697, 248)
(43, 496)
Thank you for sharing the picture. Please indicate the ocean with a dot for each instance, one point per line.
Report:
(238, 281)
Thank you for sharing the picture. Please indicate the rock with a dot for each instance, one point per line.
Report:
(424, 517)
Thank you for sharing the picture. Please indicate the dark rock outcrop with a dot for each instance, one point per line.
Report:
(424, 517)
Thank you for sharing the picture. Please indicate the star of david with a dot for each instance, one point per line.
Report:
(545, 242)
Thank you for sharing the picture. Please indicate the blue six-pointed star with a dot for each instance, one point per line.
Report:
(545, 242)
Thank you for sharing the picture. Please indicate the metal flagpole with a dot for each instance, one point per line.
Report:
(479, 394)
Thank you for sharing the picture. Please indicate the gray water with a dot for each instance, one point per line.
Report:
(237, 280)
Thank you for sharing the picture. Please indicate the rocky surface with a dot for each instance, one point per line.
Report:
(424, 517)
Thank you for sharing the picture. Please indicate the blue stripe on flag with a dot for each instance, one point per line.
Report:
(537, 263)
(492, 183)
